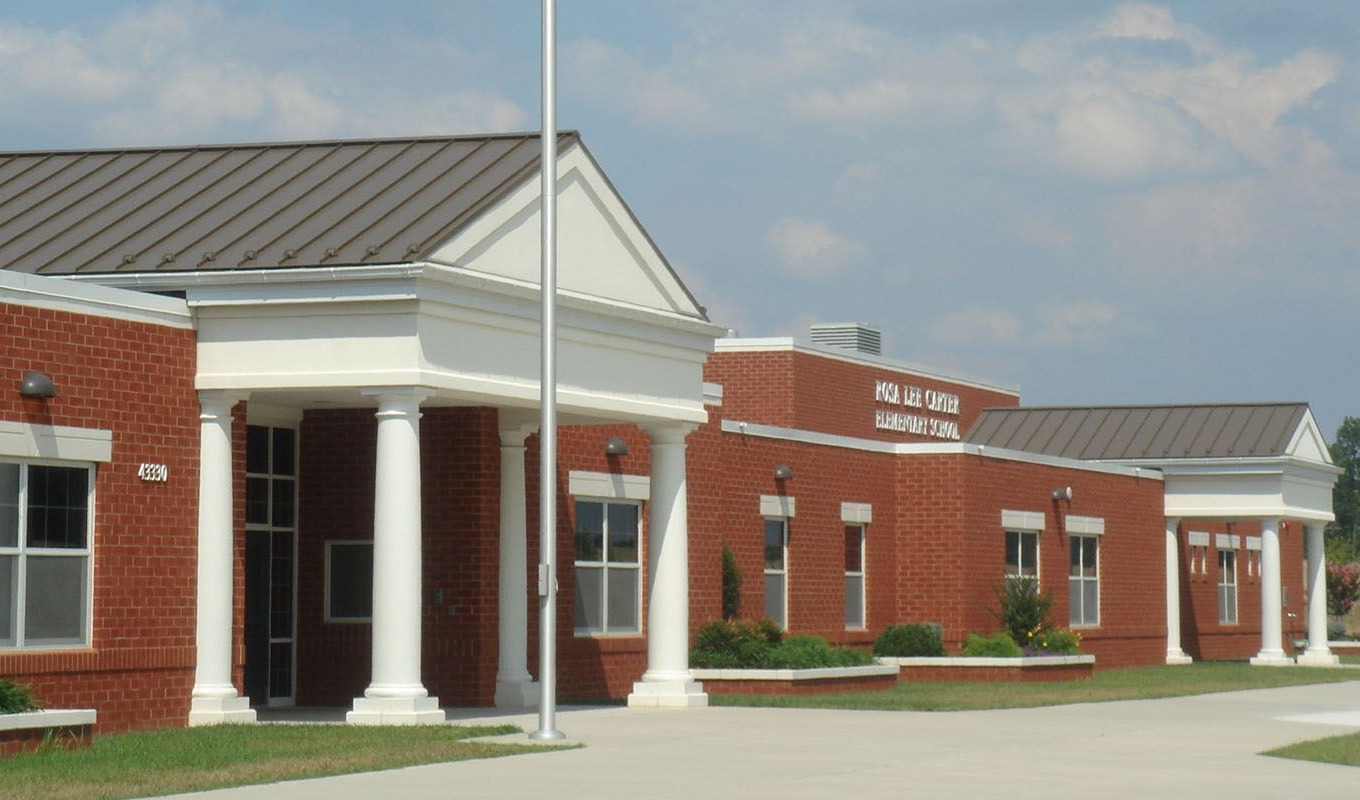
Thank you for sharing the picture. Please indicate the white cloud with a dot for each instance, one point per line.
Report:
(1084, 324)
(978, 326)
(182, 71)
(810, 249)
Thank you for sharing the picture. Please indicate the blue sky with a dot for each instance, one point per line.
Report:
(1096, 202)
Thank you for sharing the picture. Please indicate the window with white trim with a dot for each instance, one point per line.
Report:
(1022, 554)
(608, 567)
(1227, 587)
(1083, 580)
(854, 577)
(44, 555)
(776, 570)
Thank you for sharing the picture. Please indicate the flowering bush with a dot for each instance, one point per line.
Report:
(1051, 641)
(1343, 587)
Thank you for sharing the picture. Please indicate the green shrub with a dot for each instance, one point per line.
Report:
(812, 652)
(15, 699)
(1053, 641)
(999, 645)
(906, 641)
(739, 644)
(735, 644)
(731, 584)
(1024, 609)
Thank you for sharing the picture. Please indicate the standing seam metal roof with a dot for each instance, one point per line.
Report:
(1128, 433)
(252, 206)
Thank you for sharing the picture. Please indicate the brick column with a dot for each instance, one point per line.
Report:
(214, 698)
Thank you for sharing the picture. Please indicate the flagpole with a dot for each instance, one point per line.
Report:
(547, 393)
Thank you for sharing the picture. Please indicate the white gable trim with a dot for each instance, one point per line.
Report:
(603, 251)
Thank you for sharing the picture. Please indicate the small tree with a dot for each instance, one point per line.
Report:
(731, 584)
(1023, 608)
(1343, 536)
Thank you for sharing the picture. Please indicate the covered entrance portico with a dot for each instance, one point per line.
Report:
(1292, 488)
(386, 280)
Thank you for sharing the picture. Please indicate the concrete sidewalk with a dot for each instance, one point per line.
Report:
(1195, 747)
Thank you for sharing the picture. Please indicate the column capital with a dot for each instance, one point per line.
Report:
(218, 402)
(514, 435)
(668, 432)
(398, 394)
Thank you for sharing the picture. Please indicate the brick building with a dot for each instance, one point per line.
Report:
(270, 440)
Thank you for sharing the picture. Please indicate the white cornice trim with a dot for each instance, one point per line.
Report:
(931, 448)
(775, 344)
(65, 294)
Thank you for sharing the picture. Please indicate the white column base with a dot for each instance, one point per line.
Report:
(517, 694)
(1274, 658)
(668, 694)
(1178, 657)
(1322, 657)
(220, 710)
(396, 711)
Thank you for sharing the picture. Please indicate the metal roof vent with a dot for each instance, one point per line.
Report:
(849, 335)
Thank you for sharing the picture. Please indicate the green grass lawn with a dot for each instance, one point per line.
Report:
(195, 759)
(1138, 683)
(1343, 749)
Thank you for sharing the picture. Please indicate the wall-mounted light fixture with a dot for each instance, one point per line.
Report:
(37, 384)
(783, 473)
(1063, 493)
(615, 447)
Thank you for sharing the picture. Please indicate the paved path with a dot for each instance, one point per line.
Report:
(1192, 747)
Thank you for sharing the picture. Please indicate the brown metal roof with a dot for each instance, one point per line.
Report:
(1129, 433)
(251, 206)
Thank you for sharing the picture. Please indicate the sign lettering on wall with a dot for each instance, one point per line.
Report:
(924, 404)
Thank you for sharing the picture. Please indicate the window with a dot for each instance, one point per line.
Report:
(776, 570)
(44, 555)
(1227, 587)
(608, 568)
(1083, 580)
(1022, 554)
(349, 581)
(854, 577)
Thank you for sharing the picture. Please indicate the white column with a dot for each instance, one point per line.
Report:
(214, 697)
(515, 687)
(1272, 654)
(396, 696)
(1174, 653)
(667, 681)
(1318, 653)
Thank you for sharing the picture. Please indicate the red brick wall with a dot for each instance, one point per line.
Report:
(1202, 637)
(135, 379)
(808, 391)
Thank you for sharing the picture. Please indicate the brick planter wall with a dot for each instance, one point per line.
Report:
(1042, 669)
(796, 681)
(31, 730)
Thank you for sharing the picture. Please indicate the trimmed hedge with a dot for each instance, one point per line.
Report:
(998, 645)
(739, 644)
(907, 641)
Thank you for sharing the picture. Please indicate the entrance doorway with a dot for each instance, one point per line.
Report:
(271, 565)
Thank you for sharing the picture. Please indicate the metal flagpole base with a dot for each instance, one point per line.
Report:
(547, 736)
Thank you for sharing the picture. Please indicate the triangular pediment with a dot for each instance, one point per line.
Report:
(602, 251)
(1307, 442)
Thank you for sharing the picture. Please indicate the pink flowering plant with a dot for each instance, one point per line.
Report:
(1343, 587)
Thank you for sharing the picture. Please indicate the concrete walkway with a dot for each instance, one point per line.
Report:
(1193, 747)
